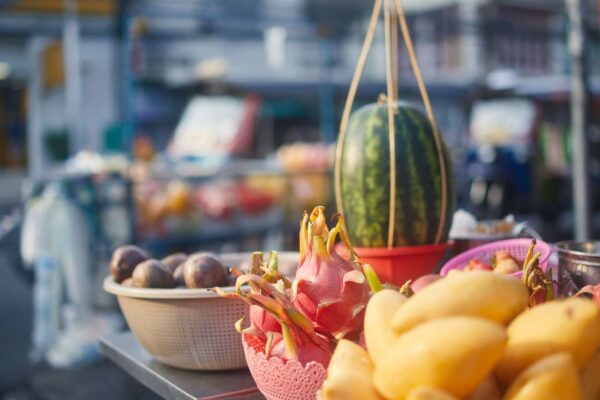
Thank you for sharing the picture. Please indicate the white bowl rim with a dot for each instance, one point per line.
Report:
(151, 293)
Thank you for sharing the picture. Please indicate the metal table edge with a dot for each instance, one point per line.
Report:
(140, 372)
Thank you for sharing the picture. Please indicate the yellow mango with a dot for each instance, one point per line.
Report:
(453, 354)
(349, 375)
(378, 317)
(571, 325)
(454, 272)
(482, 294)
(429, 393)
(590, 378)
(554, 377)
(487, 390)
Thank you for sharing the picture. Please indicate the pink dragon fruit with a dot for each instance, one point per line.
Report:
(261, 321)
(302, 321)
(329, 290)
(293, 344)
(296, 338)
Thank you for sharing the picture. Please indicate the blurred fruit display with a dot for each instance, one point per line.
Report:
(309, 165)
(301, 156)
(178, 207)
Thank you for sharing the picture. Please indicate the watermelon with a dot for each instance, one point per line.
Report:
(364, 174)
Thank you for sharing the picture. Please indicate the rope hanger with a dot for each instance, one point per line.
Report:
(392, 9)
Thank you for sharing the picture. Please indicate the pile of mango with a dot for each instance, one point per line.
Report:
(470, 336)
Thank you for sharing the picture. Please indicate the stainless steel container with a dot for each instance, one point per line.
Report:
(578, 264)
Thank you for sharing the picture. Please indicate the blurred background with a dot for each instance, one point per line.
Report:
(210, 124)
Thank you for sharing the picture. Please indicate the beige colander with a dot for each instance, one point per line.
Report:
(188, 328)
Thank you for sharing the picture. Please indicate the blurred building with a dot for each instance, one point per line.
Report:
(113, 71)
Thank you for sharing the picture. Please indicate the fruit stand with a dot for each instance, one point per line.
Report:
(300, 199)
(314, 323)
(372, 305)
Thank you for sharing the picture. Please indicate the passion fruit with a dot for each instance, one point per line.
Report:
(204, 270)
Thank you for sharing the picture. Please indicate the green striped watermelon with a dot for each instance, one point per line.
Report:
(364, 186)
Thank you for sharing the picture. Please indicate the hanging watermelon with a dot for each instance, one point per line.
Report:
(393, 178)
(422, 211)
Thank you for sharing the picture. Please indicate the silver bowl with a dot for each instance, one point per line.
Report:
(579, 263)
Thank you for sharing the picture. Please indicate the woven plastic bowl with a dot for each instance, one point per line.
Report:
(282, 380)
(515, 247)
(188, 328)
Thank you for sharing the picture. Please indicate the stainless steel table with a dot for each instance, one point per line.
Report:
(172, 383)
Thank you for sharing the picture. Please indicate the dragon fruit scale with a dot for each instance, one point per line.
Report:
(261, 321)
(330, 290)
(292, 344)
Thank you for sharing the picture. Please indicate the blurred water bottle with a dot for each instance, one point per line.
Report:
(45, 320)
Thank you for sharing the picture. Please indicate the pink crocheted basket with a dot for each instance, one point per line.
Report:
(282, 380)
(515, 247)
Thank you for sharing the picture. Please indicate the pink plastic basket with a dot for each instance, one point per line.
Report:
(282, 380)
(515, 247)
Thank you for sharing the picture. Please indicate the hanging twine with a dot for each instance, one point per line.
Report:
(391, 103)
(360, 65)
(436, 134)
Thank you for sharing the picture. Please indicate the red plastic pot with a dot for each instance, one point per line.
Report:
(399, 264)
